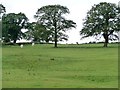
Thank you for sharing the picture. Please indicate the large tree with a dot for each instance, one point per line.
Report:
(52, 16)
(12, 25)
(103, 20)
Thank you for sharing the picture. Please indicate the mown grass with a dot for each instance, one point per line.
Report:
(69, 66)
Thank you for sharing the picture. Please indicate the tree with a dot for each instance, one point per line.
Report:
(38, 32)
(52, 17)
(12, 25)
(2, 9)
(101, 19)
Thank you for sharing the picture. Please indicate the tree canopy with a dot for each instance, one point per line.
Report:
(2, 9)
(52, 17)
(102, 19)
(12, 25)
(38, 32)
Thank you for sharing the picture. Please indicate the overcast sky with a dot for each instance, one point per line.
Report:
(78, 10)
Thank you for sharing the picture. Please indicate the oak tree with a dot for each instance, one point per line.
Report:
(53, 17)
(102, 19)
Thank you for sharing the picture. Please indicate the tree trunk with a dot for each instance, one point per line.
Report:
(55, 38)
(55, 25)
(106, 39)
(14, 41)
(105, 43)
(47, 41)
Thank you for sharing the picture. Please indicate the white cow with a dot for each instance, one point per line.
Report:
(33, 44)
(21, 45)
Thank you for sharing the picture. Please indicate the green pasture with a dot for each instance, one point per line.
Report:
(68, 66)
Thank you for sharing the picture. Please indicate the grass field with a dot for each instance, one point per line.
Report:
(69, 66)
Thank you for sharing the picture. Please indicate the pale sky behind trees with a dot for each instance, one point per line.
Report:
(78, 11)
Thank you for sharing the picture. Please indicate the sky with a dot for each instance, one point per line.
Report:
(78, 11)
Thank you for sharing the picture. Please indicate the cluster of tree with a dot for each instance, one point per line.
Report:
(103, 19)
(50, 26)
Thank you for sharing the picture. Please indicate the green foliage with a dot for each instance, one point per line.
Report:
(12, 25)
(38, 32)
(52, 16)
(101, 19)
(2, 9)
